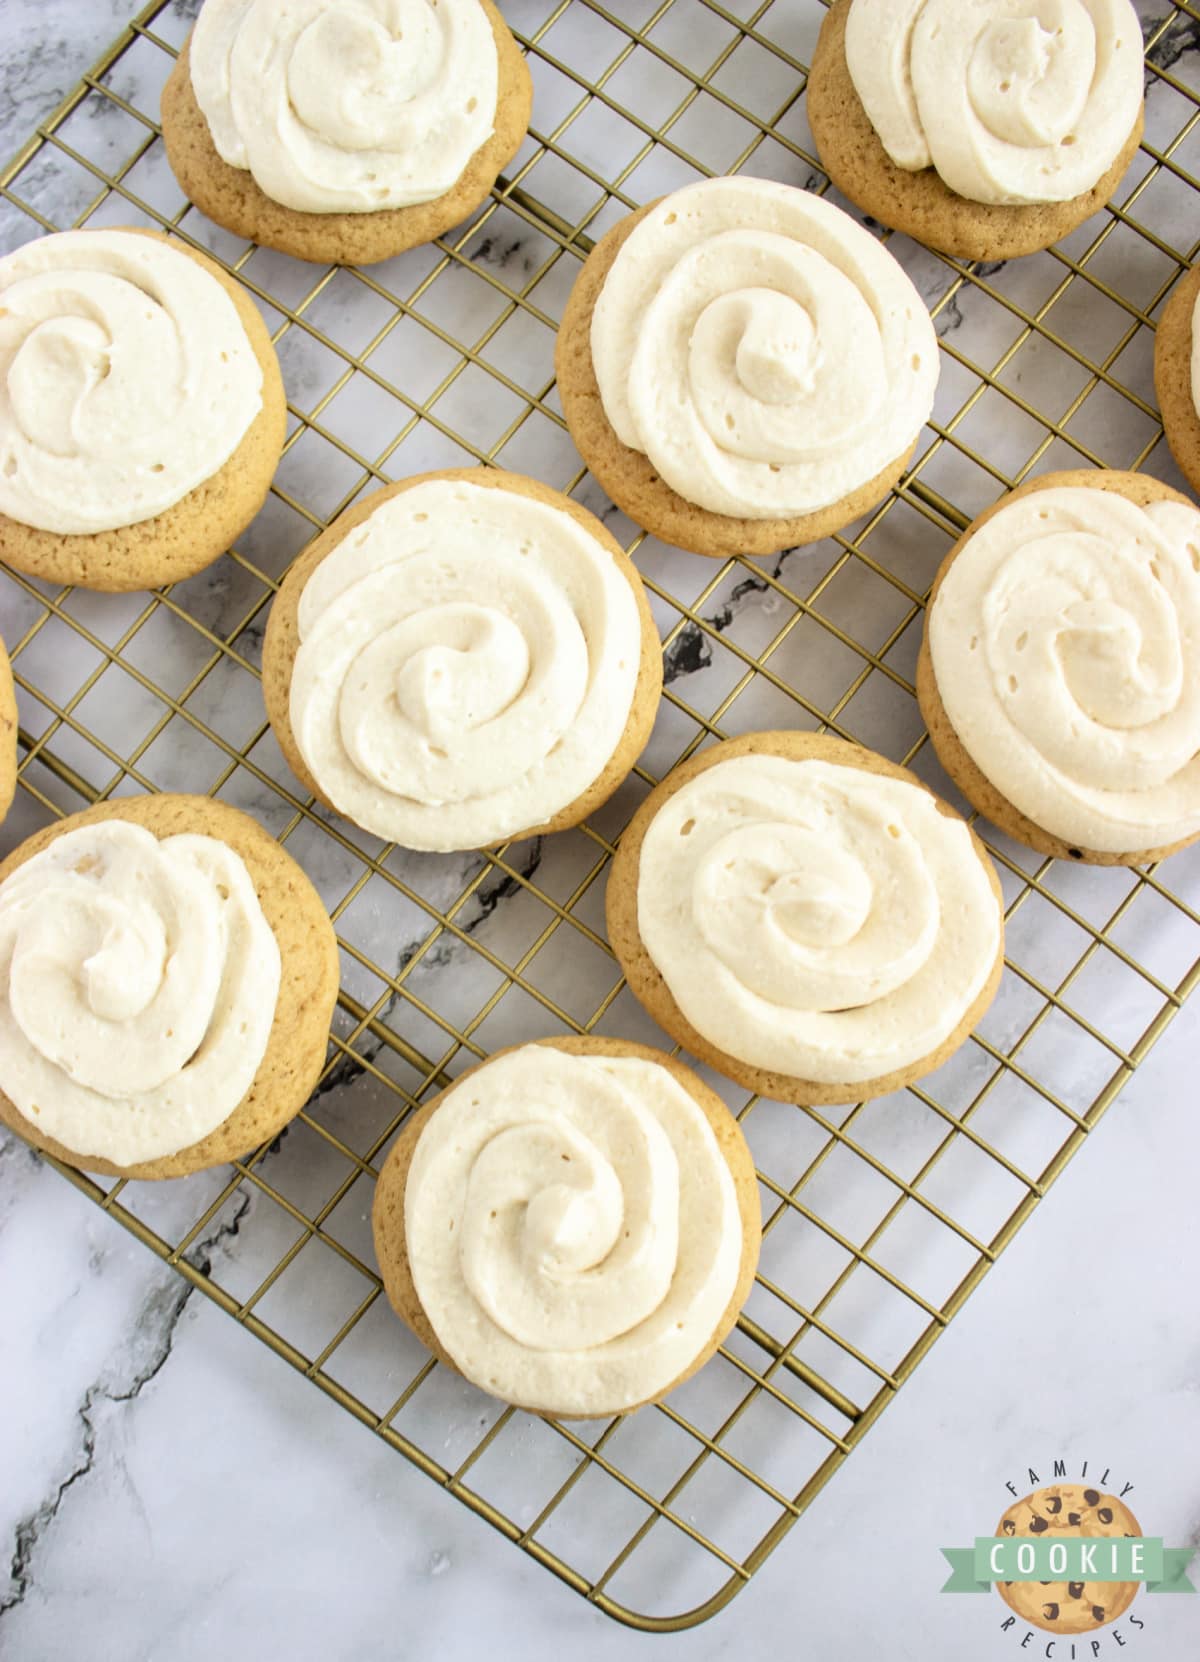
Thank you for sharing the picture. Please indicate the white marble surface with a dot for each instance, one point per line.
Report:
(169, 1489)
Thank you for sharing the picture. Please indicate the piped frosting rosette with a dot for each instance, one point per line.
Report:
(764, 351)
(815, 920)
(1065, 643)
(572, 1229)
(347, 106)
(467, 665)
(1012, 101)
(140, 980)
(126, 380)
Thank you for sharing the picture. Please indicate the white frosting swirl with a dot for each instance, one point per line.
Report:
(347, 106)
(1196, 355)
(813, 919)
(765, 352)
(126, 380)
(140, 979)
(573, 1229)
(467, 665)
(1065, 641)
(1012, 101)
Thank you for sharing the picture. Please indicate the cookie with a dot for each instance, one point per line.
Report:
(250, 80)
(1058, 674)
(525, 1225)
(806, 917)
(163, 371)
(462, 658)
(744, 368)
(1177, 375)
(919, 202)
(171, 973)
(8, 734)
(1068, 1510)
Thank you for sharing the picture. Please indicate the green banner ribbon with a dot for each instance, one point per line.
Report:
(1175, 1562)
(1068, 1558)
(962, 1571)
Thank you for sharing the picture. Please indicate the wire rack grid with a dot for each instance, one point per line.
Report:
(880, 1219)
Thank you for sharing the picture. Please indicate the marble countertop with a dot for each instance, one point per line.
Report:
(170, 1490)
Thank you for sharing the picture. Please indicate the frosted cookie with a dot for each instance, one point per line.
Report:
(744, 368)
(987, 129)
(143, 415)
(1177, 375)
(1062, 1511)
(8, 734)
(168, 974)
(463, 658)
(806, 917)
(344, 130)
(574, 1225)
(1059, 675)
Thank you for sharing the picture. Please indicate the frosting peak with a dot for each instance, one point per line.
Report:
(573, 1229)
(347, 106)
(141, 978)
(1064, 639)
(126, 380)
(814, 919)
(467, 665)
(761, 348)
(1012, 101)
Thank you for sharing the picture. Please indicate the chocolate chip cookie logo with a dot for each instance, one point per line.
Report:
(1069, 1559)
(1064, 1512)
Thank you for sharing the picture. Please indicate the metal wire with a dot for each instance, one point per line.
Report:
(877, 1225)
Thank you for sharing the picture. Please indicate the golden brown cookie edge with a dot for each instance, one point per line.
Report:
(282, 639)
(387, 1214)
(919, 204)
(188, 536)
(1173, 376)
(649, 986)
(8, 734)
(629, 477)
(962, 768)
(295, 1053)
(230, 197)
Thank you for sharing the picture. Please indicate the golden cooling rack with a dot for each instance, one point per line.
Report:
(879, 1220)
